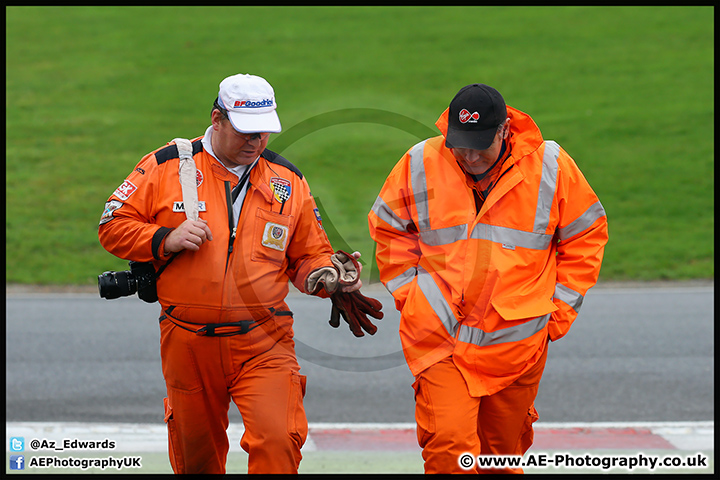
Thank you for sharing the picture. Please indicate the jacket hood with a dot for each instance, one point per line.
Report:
(525, 136)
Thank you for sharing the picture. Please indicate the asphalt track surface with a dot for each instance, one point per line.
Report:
(637, 367)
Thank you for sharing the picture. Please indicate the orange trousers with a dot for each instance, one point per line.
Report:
(451, 423)
(258, 371)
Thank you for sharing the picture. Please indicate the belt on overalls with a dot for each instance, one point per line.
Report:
(209, 329)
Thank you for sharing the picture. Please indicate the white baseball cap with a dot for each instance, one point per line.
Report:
(250, 103)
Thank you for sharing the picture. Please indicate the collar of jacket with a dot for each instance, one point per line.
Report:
(256, 176)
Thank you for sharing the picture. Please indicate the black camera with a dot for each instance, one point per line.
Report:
(140, 278)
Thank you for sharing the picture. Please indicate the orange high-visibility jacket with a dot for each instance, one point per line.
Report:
(279, 235)
(487, 287)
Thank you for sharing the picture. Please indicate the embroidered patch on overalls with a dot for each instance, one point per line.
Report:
(318, 217)
(124, 191)
(275, 236)
(281, 189)
(110, 207)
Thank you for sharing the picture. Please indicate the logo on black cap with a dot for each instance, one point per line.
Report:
(466, 116)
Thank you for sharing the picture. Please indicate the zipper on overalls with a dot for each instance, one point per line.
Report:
(231, 221)
(231, 195)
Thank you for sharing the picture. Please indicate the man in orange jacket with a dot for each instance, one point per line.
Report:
(222, 278)
(488, 238)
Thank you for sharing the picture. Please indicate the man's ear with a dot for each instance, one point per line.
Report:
(216, 117)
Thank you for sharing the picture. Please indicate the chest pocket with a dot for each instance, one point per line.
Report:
(271, 236)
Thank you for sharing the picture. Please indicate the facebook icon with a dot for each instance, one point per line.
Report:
(17, 462)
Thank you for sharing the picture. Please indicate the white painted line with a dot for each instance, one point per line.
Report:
(362, 426)
(659, 289)
(693, 436)
(650, 425)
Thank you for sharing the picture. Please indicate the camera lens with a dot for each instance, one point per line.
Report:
(116, 284)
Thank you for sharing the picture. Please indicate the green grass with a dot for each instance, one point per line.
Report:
(627, 91)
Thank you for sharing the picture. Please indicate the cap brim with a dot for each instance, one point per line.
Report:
(470, 139)
(268, 122)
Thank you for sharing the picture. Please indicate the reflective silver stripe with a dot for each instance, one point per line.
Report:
(402, 279)
(535, 240)
(437, 302)
(444, 236)
(511, 334)
(510, 236)
(569, 296)
(583, 222)
(419, 185)
(548, 183)
(385, 213)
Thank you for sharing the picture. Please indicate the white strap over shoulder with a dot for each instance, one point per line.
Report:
(188, 178)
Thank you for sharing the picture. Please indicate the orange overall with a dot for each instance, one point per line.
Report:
(482, 288)
(259, 372)
(451, 423)
(239, 278)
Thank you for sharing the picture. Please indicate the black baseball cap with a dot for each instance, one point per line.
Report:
(475, 114)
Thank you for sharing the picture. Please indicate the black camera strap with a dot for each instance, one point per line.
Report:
(162, 268)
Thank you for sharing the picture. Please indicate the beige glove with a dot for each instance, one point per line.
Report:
(345, 273)
(322, 277)
(348, 268)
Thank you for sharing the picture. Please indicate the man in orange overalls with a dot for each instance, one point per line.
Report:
(488, 238)
(226, 331)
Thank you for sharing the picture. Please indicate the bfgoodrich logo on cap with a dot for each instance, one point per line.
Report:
(268, 102)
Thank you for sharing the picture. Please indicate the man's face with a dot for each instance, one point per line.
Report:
(233, 148)
(477, 162)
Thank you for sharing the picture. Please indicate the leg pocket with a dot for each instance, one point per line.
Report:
(528, 434)
(424, 415)
(174, 447)
(297, 420)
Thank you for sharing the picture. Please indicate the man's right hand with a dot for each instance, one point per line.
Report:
(189, 235)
